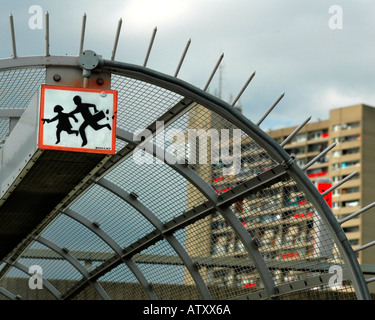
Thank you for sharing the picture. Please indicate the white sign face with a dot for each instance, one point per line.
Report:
(77, 119)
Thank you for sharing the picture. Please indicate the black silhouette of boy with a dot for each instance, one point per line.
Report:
(64, 122)
(89, 118)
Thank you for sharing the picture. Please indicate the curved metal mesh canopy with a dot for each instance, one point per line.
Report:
(152, 222)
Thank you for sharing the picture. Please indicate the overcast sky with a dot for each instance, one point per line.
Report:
(321, 59)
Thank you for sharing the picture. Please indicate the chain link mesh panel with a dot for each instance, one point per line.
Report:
(121, 284)
(78, 242)
(19, 85)
(139, 97)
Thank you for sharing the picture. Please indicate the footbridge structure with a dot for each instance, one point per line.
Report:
(148, 187)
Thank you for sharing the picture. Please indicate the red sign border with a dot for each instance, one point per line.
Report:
(42, 146)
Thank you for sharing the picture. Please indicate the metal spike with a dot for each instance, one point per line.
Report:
(355, 214)
(291, 136)
(365, 246)
(369, 280)
(326, 150)
(116, 39)
(82, 34)
(213, 72)
(47, 34)
(182, 58)
(243, 89)
(339, 183)
(270, 109)
(150, 47)
(13, 36)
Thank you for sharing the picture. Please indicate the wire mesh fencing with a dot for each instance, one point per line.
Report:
(188, 217)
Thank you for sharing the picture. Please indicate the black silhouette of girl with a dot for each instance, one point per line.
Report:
(64, 122)
(89, 118)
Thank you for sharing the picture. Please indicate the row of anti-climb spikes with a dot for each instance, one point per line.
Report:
(114, 50)
(13, 36)
(113, 54)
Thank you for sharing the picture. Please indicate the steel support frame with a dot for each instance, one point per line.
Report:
(210, 262)
(225, 211)
(158, 224)
(75, 263)
(115, 247)
(4, 292)
(167, 118)
(293, 287)
(38, 62)
(270, 145)
(46, 283)
(174, 113)
(265, 179)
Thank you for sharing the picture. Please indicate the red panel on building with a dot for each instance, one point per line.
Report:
(324, 186)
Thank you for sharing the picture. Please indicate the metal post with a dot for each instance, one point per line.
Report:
(325, 151)
(182, 58)
(355, 214)
(116, 39)
(270, 109)
(213, 72)
(292, 135)
(82, 34)
(47, 34)
(13, 36)
(243, 89)
(150, 47)
(339, 183)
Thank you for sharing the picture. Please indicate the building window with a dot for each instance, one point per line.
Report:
(350, 151)
(349, 164)
(350, 138)
(350, 203)
(352, 125)
(335, 205)
(336, 153)
(296, 151)
(350, 190)
(351, 229)
(319, 172)
(354, 242)
(315, 135)
(315, 148)
(336, 166)
(336, 127)
(301, 162)
(301, 137)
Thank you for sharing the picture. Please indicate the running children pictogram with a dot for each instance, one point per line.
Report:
(94, 113)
